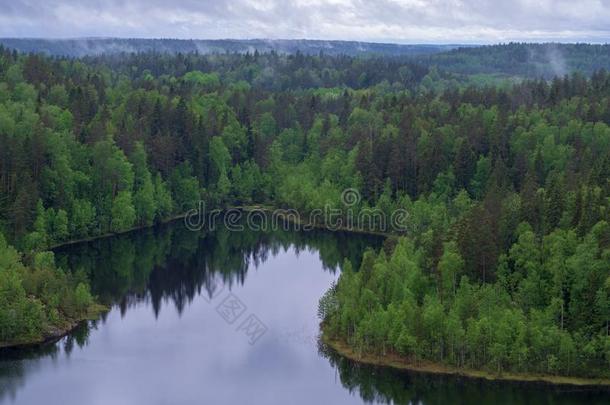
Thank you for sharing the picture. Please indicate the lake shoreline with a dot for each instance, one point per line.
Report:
(111, 234)
(72, 324)
(391, 360)
(306, 226)
(400, 363)
(55, 334)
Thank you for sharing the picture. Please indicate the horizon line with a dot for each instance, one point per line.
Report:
(381, 41)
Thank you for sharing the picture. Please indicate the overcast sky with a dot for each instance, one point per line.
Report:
(408, 21)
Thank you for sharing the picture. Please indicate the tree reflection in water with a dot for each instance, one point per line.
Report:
(385, 385)
(169, 263)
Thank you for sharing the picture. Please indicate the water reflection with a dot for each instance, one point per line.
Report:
(164, 272)
(18, 363)
(165, 343)
(170, 262)
(384, 385)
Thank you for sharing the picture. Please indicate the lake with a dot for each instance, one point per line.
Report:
(222, 317)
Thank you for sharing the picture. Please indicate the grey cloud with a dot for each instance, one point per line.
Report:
(396, 20)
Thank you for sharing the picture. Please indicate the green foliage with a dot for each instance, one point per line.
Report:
(82, 218)
(537, 318)
(185, 188)
(123, 212)
(144, 197)
(505, 185)
(207, 81)
(82, 298)
(35, 299)
(163, 198)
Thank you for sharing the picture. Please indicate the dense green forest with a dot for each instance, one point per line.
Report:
(38, 300)
(514, 59)
(506, 261)
(523, 59)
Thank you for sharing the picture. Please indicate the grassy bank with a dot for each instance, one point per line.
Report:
(398, 362)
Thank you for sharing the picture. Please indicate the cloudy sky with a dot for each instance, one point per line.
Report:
(407, 21)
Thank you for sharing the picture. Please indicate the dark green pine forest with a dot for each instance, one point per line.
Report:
(504, 265)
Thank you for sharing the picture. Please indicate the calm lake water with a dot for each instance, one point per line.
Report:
(224, 318)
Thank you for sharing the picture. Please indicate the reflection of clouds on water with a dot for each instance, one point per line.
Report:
(300, 336)
(17, 365)
(164, 341)
(163, 286)
(170, 264)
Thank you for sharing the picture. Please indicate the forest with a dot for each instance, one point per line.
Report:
(506, 261)
(523, 59)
